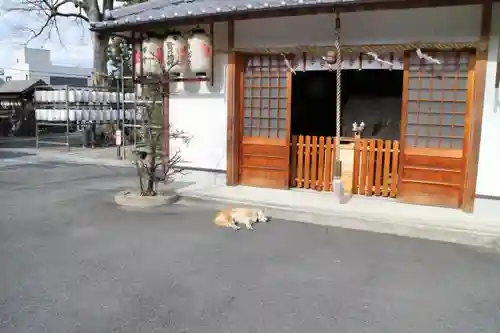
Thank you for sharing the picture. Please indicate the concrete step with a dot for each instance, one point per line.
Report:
(485, 235)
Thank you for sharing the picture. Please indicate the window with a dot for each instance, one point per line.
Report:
(265, 97)
(437, 100)
(70, 81)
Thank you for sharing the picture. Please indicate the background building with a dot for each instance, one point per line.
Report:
(36, 64)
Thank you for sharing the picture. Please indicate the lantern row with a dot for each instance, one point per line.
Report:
(10, 104)
(175, 54)
(81, 96)
(84, 104)
(79, 114)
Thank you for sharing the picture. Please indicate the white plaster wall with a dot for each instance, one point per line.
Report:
(443, 24)
(488, 178)
(200, 109)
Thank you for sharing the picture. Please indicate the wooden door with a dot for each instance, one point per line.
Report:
(265, 141)
(435, 115)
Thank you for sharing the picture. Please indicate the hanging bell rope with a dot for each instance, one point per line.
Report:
(339, 74)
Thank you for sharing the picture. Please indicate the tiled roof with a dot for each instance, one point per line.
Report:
(19, 86)
(165, 10)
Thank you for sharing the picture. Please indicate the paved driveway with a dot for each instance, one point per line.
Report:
(70, 261)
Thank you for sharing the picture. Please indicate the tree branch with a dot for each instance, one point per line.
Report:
(49, 11)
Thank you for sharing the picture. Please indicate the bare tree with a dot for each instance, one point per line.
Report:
(154, 165)
(81, 12)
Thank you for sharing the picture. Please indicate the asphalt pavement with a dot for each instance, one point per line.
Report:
(71, 261)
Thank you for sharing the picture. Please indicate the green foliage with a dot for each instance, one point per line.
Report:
(119, 46)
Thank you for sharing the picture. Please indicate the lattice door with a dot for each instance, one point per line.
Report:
(265, 97)
(264, 159)
(435, 111)
(437, 101)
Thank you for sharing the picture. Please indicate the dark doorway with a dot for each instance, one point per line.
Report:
(371, 96)
(313, 103)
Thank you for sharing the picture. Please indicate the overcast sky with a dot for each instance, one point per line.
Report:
(74, 50)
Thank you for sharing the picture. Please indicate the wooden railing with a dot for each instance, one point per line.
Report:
(375, 170)
(312, 162)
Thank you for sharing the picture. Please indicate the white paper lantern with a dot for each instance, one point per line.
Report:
(105, 97)
(200, 52)
(86, 114)
(106, 115)
(79, 114)
(78, 96)
(45, 114)
(49, 96)
(71, 96)
(38, 96)
(40, 114)
(94, 115)
(152, 56)
(99, 96)
(54, 115)
(72, 115)
(175, 54)
(112, 97)
(59, 95)
(84, 97)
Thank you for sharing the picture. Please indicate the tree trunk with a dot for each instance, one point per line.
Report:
(139, 174)
(100, 44)
(150, 190)
(151, 186)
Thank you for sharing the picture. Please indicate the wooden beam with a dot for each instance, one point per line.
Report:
(232, 111)
(476, 114)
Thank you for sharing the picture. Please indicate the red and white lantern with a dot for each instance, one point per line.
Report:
(148, 57)
(175, 54)
(200, 49)
(137, 59)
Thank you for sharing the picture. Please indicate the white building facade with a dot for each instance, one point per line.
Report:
(36, 64)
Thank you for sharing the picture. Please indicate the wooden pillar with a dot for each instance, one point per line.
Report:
(166, 122)
(471, 148)
(232, 111)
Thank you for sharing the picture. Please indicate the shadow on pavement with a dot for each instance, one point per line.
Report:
(13, 154)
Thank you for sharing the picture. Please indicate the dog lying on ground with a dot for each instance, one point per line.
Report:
(231, 217)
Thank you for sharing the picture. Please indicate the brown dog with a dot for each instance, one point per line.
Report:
(230, 217)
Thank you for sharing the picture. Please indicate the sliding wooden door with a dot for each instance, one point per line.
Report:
(434, 127)
(265, 125)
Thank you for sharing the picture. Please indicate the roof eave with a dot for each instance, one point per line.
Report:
(240, 13)
(290, 9)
